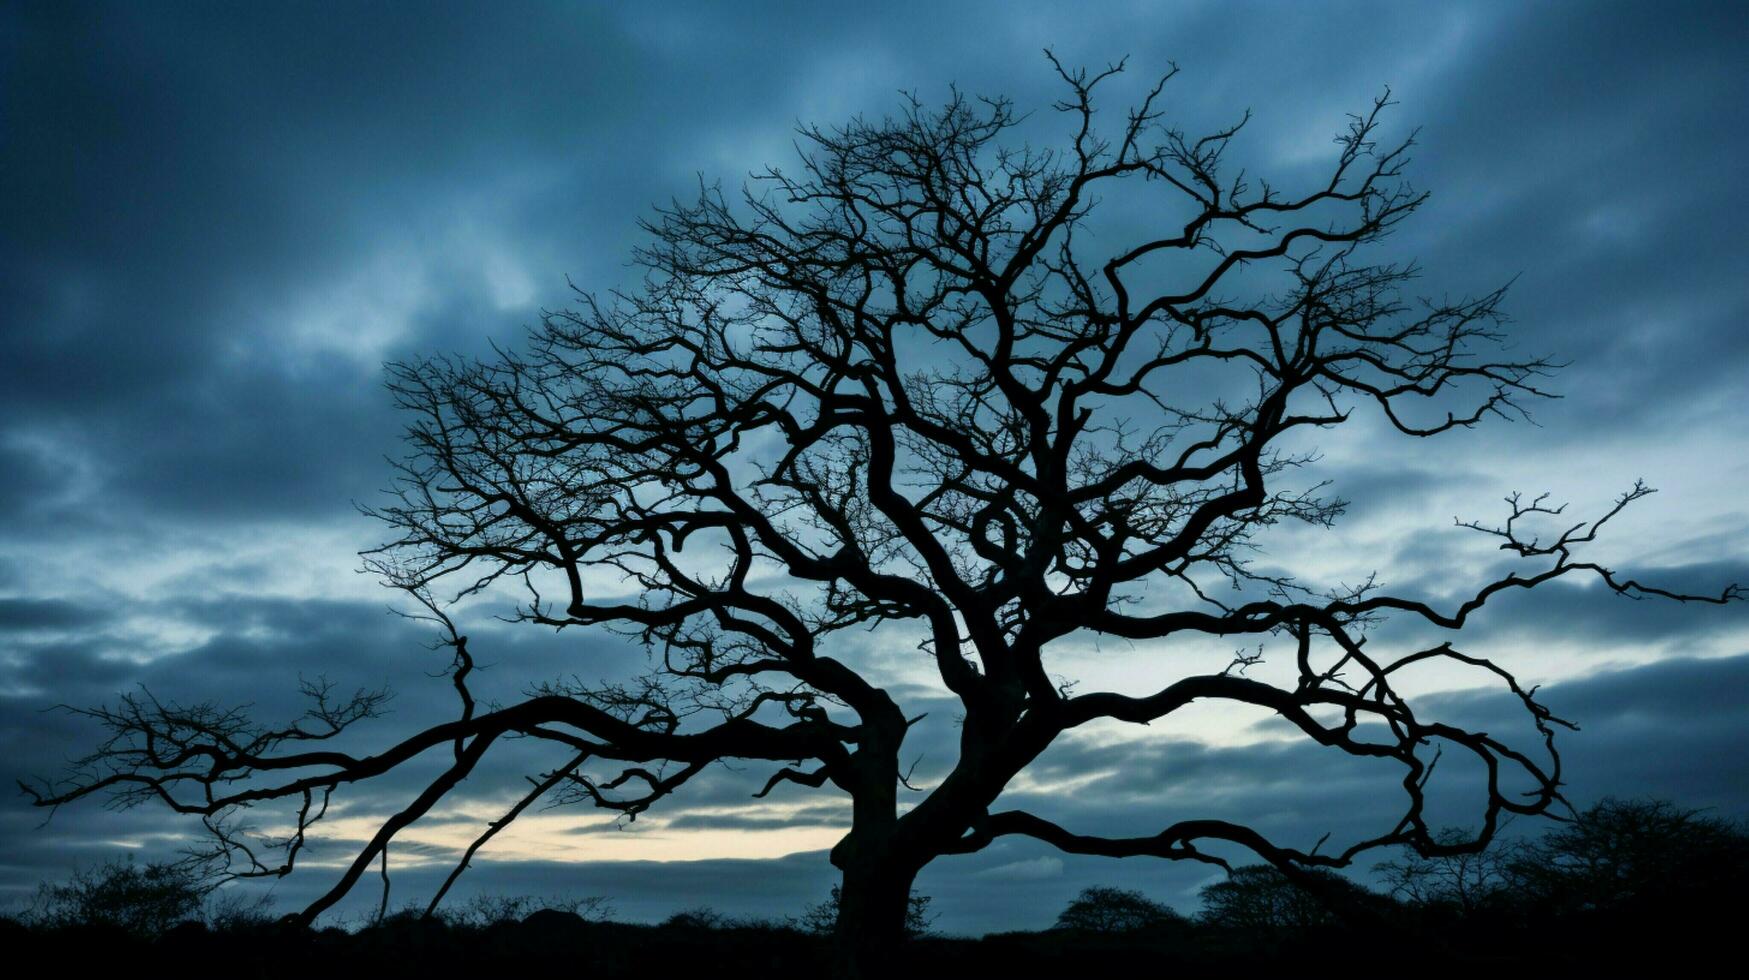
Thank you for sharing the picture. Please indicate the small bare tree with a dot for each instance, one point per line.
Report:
(917, 382)
(1461, 881)
(141, 899)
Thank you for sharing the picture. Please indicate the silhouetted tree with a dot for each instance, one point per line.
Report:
(1106, 909)
(1641, 854)
(925, 382)
(1462, 881)
(1259, 899)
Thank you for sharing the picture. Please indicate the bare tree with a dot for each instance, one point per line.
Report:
(1463, 881)
(915, 385)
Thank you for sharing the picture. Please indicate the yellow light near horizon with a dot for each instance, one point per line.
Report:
(562, 837)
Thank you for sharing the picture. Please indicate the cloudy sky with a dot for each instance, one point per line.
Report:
(218, 222)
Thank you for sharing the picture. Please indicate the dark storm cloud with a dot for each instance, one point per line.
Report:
(23, 615)
(181, 175)
(180, 171)
(1613, 196)
(219, 219)
(183, 180)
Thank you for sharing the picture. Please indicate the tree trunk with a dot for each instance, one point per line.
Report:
(873, 902)
(876, 891)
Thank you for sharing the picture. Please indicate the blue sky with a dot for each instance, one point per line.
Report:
(220, 221)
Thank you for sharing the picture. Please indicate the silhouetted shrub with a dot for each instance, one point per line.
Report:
(1116, 910)
(698, 917)
(140, 899)
(239, 911)
(487, 910)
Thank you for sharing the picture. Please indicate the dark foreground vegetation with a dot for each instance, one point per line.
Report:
(1628, 882)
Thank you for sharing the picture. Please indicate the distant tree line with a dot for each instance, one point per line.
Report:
(1622, 880)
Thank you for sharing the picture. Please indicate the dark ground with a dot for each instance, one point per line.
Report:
(558, 943)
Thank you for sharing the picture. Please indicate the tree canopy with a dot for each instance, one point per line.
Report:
(1105, 909)
(924, 384)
